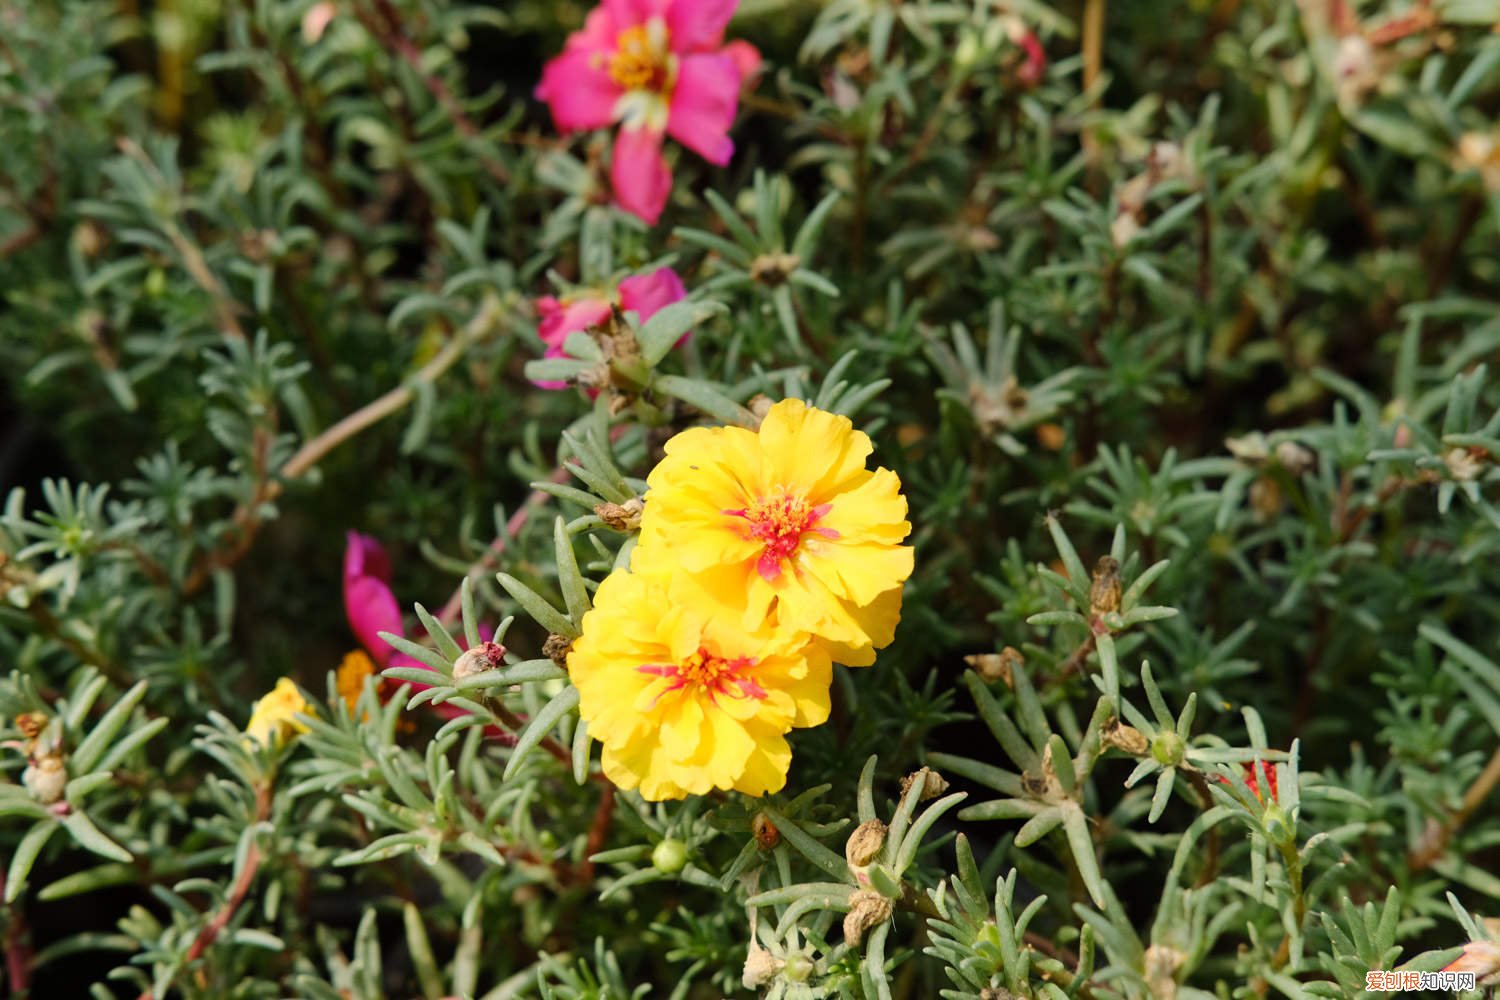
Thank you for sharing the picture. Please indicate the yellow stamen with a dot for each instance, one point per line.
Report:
(637, 63)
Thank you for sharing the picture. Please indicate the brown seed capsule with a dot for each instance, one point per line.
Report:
(996, 666)
(772, 269)
(1162, 964)
(764, 831)
(760, 404)
(621, 516)
(31, 724)
(1294, 457)
(557, 648)
(1104, 593)
(933, 784)
(869, 910)
(1265, 498)
(1127, 739)
(865, 843)
(485, 656)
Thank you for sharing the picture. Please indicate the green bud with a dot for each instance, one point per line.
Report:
(798, 967)
(670, 856)
(1278, 825)
(1167, 748)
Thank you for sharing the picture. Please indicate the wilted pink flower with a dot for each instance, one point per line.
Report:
(658, 67)
(642, 294)
(371, 608)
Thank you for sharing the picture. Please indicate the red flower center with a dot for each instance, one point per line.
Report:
(709, 672)
(639, 62)
(778, 523)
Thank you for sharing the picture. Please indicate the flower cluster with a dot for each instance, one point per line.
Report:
(764, 557)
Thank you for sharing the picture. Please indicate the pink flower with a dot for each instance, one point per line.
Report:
(658, 67)
(370, 605)
(642, 294)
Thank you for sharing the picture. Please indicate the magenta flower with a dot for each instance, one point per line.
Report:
(371, 607)
(658, 67)
(642, 294)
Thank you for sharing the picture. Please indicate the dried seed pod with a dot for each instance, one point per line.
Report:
(1126, 739)
(865, 843)
(996, 666)
(1104, 593)
(760, 967)
(46, 778)
(869, 910)
(485, 656)
(621, 516)
(933, 784)
(557, 648)
(1294, 457)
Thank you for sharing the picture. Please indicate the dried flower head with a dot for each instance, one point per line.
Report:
(867, 911)
(864, 844)
(478, 659)
(933, 784)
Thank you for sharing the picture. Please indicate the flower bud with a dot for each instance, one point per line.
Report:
(1279, 827)
(670, 856)
(799, 968)
(621, 516)
(864, 843)
(485, 656)
(760, 967)
(1167, 748)
(46, 778)
(869, 910)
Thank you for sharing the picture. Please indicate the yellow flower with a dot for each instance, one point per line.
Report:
(785, 525)
(684, 701)
(350, 678)
(272, 718)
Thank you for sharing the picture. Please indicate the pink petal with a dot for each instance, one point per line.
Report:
(628, 13)
(646, 294)
(558, 320)
(703, 106)
(599, 32)
(578, 88)
(746, 59)
(639, 173)
(369, 603)
(698, 24)
(364, 556)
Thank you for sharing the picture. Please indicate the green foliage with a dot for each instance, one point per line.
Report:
(1175, 320)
